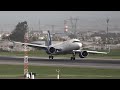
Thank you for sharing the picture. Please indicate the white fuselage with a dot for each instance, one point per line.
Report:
(67, 46)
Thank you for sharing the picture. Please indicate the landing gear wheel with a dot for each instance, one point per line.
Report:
(51, 57)
(72, 58)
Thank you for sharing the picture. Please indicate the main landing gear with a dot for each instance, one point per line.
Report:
(73, 57)
(51, 57)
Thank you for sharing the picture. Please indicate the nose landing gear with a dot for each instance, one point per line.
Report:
(73, 57)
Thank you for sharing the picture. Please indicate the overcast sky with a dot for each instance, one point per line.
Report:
(87, 19)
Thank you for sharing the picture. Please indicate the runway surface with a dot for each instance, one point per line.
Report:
(44, 61)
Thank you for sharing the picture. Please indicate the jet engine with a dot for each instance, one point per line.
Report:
(52, 50)
(83, 54)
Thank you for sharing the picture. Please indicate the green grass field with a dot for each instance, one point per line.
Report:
(49, 72)
(114, 54)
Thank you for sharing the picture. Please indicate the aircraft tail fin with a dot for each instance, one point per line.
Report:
(48, 40)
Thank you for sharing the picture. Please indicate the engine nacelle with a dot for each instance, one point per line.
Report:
(83, 54)
(52, 50)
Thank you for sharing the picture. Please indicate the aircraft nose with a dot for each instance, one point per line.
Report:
(80, 44)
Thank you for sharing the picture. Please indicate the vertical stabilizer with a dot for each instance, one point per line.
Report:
(48, 41)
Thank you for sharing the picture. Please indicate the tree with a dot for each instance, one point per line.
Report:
(19, 32)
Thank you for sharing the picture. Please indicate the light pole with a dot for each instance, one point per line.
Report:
(107, 29)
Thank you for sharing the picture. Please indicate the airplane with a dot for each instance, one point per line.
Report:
(72, 46)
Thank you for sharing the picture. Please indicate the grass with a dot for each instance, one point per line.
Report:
(49, 72)
(114, 54)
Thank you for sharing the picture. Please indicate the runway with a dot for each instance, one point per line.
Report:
(43, 61)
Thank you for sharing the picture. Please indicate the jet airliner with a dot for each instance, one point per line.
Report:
(73, 46)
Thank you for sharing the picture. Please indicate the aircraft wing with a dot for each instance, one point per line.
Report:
(32, 45)
(92, 52)
(97, 52)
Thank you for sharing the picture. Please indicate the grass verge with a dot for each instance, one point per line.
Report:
(49, 72)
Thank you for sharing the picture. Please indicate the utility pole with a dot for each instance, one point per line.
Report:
(53, 28)
(74, 25)
(39, 25)
(107, 20)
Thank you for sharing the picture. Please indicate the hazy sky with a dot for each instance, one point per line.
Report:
(87, 19)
